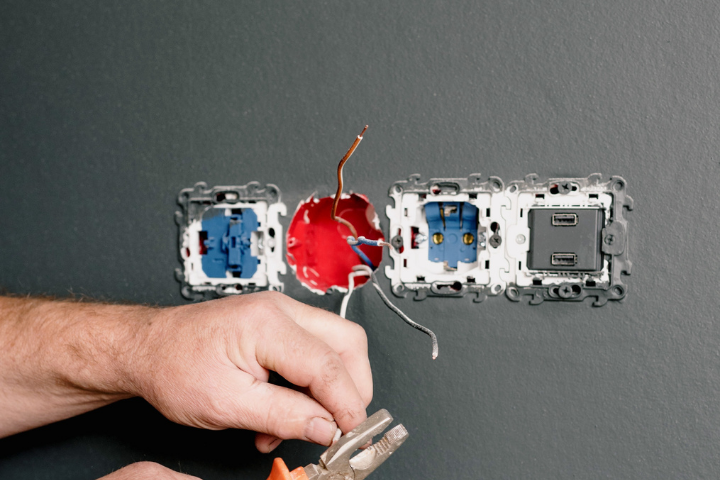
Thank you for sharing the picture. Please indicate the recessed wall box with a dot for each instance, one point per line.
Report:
(230, 240)
(566, 239)
(447, 234)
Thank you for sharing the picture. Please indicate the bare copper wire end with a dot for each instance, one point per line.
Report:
(338, 193)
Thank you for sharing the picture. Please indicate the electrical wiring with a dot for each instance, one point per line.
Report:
(355, 241)
(363, 257)
(338, 193)
(389, 304)
(358, 271)
(364, 270)
(405, 318)
(364, 241)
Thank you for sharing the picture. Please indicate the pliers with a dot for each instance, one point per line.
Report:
(336, 463)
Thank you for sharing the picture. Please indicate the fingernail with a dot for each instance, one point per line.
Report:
(338, 434)
(320, 431)
(274, 444)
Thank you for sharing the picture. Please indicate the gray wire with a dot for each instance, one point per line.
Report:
(405, 318)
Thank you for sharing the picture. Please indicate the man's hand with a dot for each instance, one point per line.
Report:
(207, 365)
(204, 365)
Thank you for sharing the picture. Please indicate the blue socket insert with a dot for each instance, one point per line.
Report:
(452, 228)
(225, 243)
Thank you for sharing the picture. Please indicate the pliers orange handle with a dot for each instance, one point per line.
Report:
(280, 471)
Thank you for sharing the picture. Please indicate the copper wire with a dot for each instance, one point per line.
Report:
(338, 194)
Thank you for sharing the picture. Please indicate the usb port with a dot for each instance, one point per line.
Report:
(564, 259)
(564, 219)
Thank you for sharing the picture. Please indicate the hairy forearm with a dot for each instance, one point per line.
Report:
(205, 365)
(62, 358)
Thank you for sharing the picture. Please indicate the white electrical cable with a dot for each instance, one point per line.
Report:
(365, 271)
(405, 318)
(358, 271)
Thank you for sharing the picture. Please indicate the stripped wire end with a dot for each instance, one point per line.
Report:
(364, 241)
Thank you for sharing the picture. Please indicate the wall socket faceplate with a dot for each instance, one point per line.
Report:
(559, 239)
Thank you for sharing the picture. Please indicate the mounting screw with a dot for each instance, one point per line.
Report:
(609, 239)
(565, 291)
(564, 188)
(397, 242)
(495, 241)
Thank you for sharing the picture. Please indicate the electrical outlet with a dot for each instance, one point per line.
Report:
(446, 235)
(560, 239)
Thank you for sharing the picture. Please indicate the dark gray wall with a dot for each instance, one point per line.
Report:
(108, 109)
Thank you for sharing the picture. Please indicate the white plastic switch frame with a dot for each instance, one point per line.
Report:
(562, 202)
(262, 241)
(415, 269)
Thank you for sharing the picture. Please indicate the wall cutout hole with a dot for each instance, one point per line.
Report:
(317, 248)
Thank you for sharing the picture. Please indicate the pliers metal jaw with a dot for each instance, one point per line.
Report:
(337, 463)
